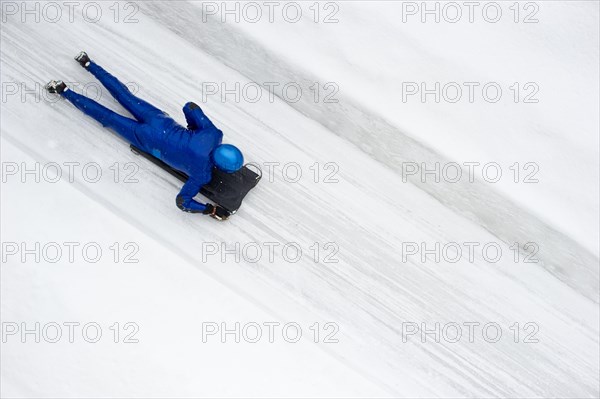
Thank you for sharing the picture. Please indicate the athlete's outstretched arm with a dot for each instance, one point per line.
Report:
(185, 199)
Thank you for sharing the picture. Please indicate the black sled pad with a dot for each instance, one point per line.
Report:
(225, 189)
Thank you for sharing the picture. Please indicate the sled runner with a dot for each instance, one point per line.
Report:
(225, 189)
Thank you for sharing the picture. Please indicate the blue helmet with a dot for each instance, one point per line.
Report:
(228, 158)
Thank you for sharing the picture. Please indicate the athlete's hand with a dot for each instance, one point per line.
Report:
(209, 210)
(216, 212)
(220, 213)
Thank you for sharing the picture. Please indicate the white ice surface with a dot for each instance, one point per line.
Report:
(370, 292)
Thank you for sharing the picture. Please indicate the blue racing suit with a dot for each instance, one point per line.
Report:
(188, 150)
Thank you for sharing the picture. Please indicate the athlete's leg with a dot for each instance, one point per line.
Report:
(127, 128)
(142, 110)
